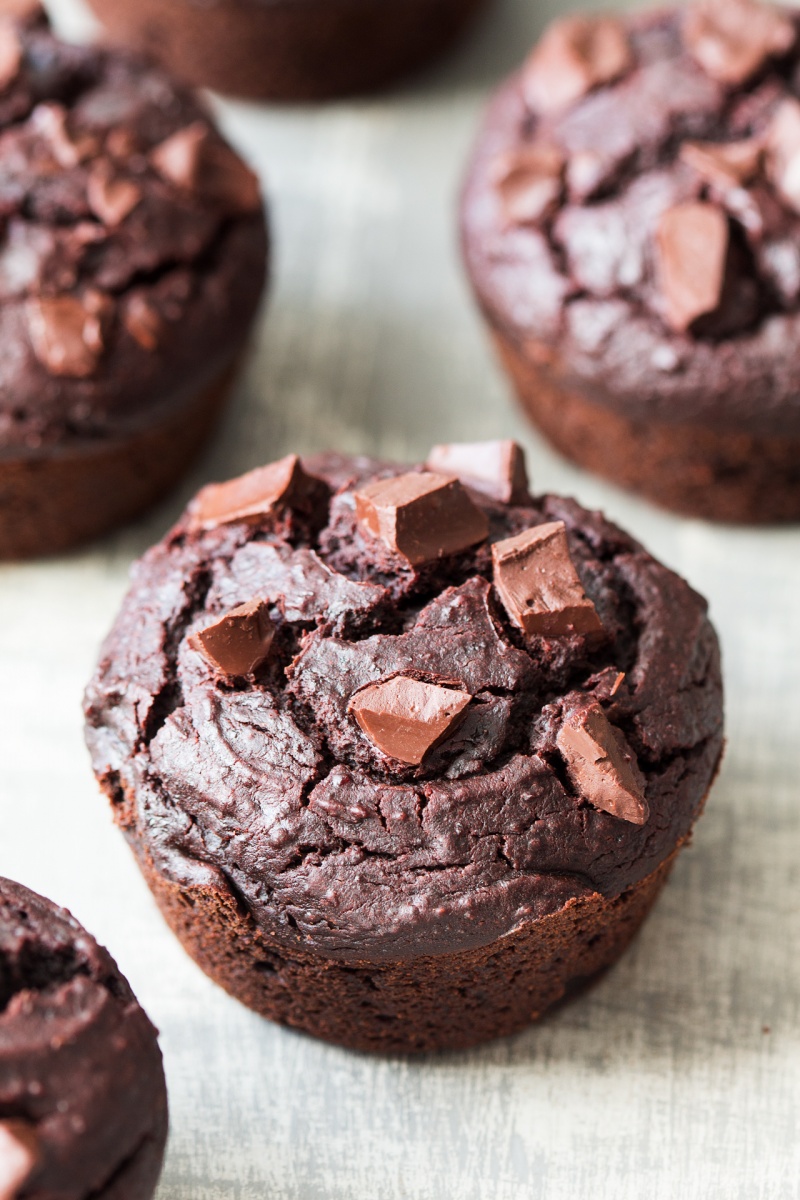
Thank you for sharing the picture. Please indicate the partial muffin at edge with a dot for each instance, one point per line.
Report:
(631, 228)
(132, 260)
(83, 1103)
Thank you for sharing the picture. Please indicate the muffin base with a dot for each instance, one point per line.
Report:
(50, 502)
(446, 1002)
(289, 49)
(137, 1177)
(695, 470)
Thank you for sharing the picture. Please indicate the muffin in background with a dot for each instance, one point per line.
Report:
(132, 260)
(289, 49)
(631, 226)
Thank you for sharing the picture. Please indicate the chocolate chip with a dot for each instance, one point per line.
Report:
(586, 172)
(178, 159)
(601, 766)
(783, 153)
(575, 55)
(732, 39)
(66, 334)
(252, 496)
(19, 1154)
(536, 580)
(142, 322)
(111, 198)
(10, 53)
(406, 718)
(495, 469)
(692, 243)
(726, 164)
(122, 144)
(238, 643)
(421, 515)
(197, 160)
(51, 123)
(530, 182)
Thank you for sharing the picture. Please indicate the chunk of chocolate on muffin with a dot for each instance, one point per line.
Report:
(406, 718)
(631, 223)
(421, 515)
(132, 258)
(458, 780)
(539, 586)
(83, 1103)
(495, 469)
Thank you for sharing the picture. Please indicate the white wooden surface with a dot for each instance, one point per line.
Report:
(679, 1074)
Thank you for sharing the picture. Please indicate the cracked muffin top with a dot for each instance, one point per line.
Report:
(632, 210)
(82, 1094)
(400, 711)
(132, 239)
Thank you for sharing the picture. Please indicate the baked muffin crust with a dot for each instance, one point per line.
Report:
(268, 795)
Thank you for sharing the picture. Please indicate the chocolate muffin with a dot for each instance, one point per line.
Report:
(83, 1103)
(631, 226)
(131, 265)
(404, 755)
(289, 49)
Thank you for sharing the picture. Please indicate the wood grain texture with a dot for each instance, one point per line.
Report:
(662, 1081)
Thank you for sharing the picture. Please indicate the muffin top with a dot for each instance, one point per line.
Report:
(398, 712)
(81, 1082)
(132, 239)
(632, 213)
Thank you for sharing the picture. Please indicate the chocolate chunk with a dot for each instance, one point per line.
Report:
(601, 766)
(122, 144)
(783, 153)
(18, 1156)
(496, 469)
(726, 164)
(66, 334)
(586, 172)
(539, 586)
(178, 159)
(142, 322)
(110, 197)
(239, 642)
(530, 182)
(575, 55)
(692, 243)
(406, 718)
(51, 123)
(10, 53)
(421, 515)
(252, 496)
(732, 39)
(196, 160)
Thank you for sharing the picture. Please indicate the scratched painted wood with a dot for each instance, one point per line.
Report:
(679, 1074)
